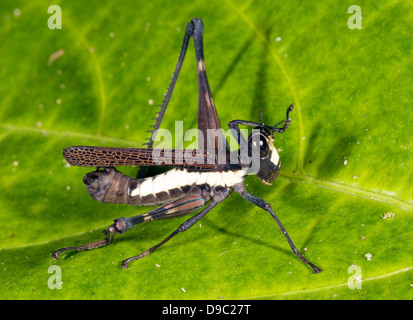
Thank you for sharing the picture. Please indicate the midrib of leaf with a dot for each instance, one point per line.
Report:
(318, 289)
(342, 187)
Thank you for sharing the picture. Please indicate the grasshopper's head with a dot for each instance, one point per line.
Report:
(261, 146)
(261, 143)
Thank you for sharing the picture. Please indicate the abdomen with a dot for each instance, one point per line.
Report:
(112, 186)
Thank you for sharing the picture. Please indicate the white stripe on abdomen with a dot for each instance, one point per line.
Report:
(177, 178)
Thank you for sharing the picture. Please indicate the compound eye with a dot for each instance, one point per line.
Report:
(262, 147)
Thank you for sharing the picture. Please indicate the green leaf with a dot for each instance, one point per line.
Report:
(347, 157)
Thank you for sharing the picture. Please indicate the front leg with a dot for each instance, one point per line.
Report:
(267, 207)
(240, 139)
(286, 122)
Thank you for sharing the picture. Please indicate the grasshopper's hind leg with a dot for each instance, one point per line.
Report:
(176, 208)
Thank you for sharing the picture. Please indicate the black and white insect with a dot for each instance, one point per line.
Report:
(200, 179)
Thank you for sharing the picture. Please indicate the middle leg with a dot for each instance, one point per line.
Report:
(181, 206)
(218, 198)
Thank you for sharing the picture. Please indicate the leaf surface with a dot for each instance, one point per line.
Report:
(347, 157)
